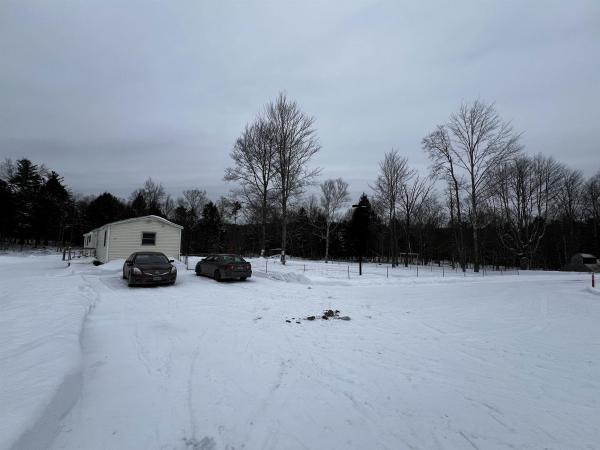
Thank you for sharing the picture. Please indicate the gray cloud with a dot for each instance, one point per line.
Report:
(109, 93)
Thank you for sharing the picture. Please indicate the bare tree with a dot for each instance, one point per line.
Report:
(428, 216)
(591, 205)
(296, 143)
(414, 194)
(229, 208)
(569, 207)
(168, 207)
(334, 195)
(524, 191)
(480, 142)
(7, 169)
(439, 149)
(194, 200)
(254, 168)
(393, 175)
(234, 210)
(154, 195)
(315, 215)
(569, 194)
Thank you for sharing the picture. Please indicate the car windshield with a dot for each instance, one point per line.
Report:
(233, 259)
(151, 259)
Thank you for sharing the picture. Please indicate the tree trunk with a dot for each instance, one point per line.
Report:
(283, 230)
(475, 231)
(475, 247)
(263, 239)
(327, 243)
(596, 244)
(461, 239)
(407, 240)
(454, 228)
(394, 239)
(566, 260)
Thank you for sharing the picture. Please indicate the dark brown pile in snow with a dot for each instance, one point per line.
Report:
(328, 314)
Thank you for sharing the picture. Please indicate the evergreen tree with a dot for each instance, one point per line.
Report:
(104, 209)
(26, 183)
(187, 219)
(212, 226)
(359, 228)
(51, 207)
(138, 206)
(8, 208)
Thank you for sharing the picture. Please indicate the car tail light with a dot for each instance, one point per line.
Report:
(229, 267)
(248, 266)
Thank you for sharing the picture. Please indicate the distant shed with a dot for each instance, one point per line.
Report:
(583, 262)
(118, 240)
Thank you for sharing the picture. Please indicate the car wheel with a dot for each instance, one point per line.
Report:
(217, 275)
(242, 278)
(130, 280)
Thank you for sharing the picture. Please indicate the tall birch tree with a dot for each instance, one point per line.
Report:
(296, 143)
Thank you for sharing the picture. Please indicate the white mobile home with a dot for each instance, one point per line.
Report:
(118, 240)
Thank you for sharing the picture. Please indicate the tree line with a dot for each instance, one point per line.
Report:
(39, 209)
(483, 201)
(497, 205)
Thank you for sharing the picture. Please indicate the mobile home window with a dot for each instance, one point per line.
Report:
(105, 237)
(148, 238)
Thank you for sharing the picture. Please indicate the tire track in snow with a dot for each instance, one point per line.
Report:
(466, 438)
(190, 392)
(207, 442)
(48, 425)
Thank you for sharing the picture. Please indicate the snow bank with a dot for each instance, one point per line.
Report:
(115, 264)
(593, 290)
(288, 277)
(42, 309)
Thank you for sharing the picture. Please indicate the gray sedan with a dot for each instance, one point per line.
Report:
(222, 267)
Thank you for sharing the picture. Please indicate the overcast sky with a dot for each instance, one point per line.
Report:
(108, 93)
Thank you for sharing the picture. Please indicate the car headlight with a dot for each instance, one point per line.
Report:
(173, 269)
(137, 271)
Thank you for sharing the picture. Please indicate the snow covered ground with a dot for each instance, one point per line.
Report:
(42, 309)
(438, 361)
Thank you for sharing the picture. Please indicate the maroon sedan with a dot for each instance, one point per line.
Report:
(149, 268)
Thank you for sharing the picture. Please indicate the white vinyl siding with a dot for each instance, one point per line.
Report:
(126, 238)
(89, 240)
(100, 249)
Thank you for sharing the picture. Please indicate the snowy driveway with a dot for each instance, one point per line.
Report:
(487, 363)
